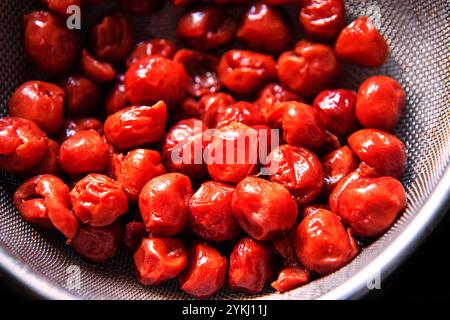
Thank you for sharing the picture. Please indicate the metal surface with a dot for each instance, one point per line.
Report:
(418, 35)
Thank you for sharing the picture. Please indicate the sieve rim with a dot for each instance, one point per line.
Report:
(355, 287)
(421, 226)
(21, 277)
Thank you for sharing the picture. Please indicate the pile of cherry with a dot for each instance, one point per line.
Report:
(111, 184)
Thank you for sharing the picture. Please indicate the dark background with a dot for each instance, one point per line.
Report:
(423, 276)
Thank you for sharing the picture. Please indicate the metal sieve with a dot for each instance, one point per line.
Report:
(418, 33)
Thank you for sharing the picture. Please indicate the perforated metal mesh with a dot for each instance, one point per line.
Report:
(418, 34)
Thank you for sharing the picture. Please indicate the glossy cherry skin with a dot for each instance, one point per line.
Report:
(155, 78)
(201, 68)
(371, 205)
(362, 44)
(45, 33)
(72, 126)
(363, 171)
(50, 162)
(291, 277)
(154, 47)
(299, 170)
(205, 28)
(268, 140)
(96, 70)
(61, 6)
(183, 148)
(181, 2)
(228, 143)
(159, 259)
(263, 28)
(141, 6)
(98, 200)
(380, 104)
(134, 234)
(111, 38)
(250, 266)
(188, 108)
(32, 210)
(284, 246)
(274, 115)
(330, 144)
(212, 106)
(82, 96)
(164, 204)
(322, 19)
(322, 244)
(116, 97)
(271, 95)
(337, 107)
(84, 152)
(206, 272)
(210, 215)
(336, 165)
(302, 126)
(263, 209)
(135, 169)
(278, 2)
(44, 200)
(242, 111)
(270, 2)
(312, 208)
(246, 72)
(40, 102)
(22, 144)
(309, 68)
(98, 244)
(136, 126)
(380, 150)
